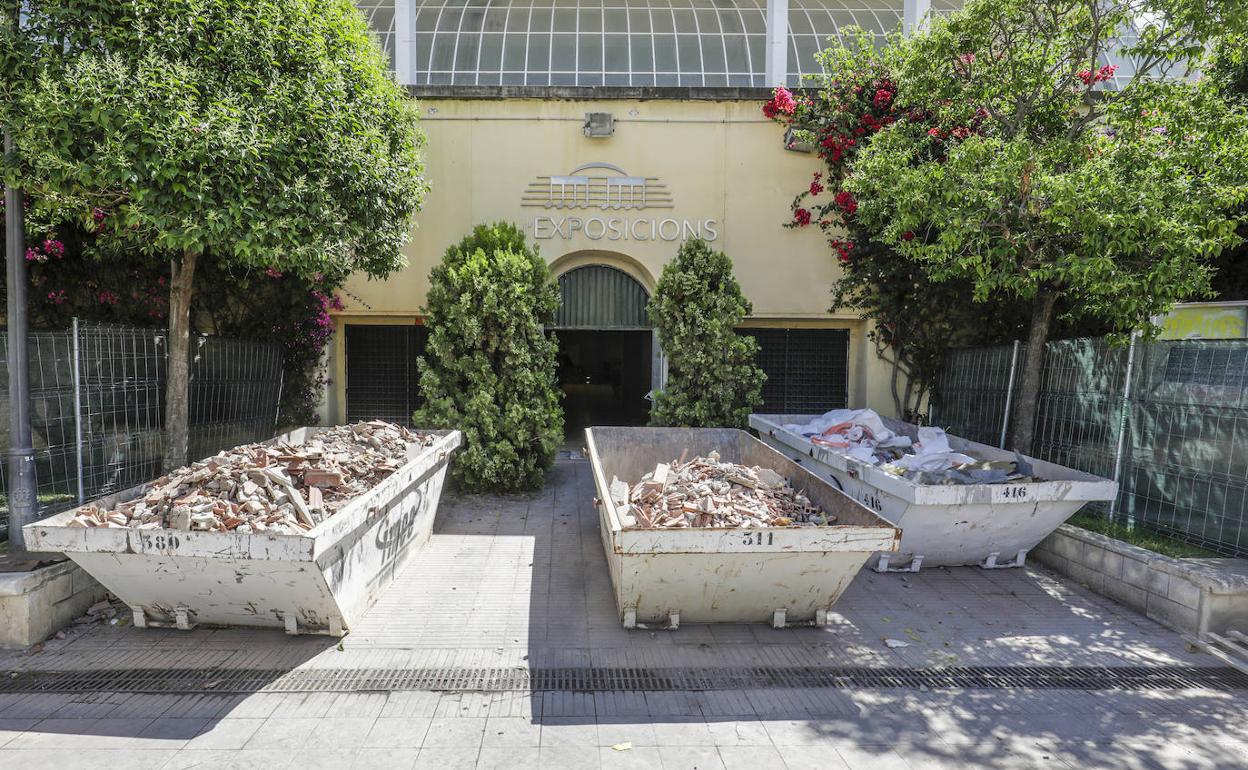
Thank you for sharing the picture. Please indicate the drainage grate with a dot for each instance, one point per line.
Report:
(225, 680)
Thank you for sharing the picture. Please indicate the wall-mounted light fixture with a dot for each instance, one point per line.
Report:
(599, 125)
(798, 141)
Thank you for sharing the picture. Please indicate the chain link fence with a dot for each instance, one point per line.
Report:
(1167, 419)
(97, 407)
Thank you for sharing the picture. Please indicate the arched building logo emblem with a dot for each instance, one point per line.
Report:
(598, 186)
(609, 189)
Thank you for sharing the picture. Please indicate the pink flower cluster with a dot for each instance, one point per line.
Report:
(781, 103)
(1088, 77)
(51, 248)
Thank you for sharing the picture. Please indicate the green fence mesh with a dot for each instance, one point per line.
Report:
(1170, 420)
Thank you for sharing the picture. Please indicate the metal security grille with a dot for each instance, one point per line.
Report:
(601, 297)
(1167, 419)
(382, 379)
(633, 679)
(807, 369)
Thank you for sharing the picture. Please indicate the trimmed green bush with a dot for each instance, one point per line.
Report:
(712, 379)
(489, 367)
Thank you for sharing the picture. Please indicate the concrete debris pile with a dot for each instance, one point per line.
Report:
(279, 488)
(705, 492)
(103, 611)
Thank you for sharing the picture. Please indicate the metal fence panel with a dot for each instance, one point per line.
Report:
(971, 397)
(1080, 404)
(1185, 469)
(1171, 418)
(119, 440)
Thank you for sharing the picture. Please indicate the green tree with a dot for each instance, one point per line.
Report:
(915, 318)
(712, 380)
(250, 134)
(489, 368)
(1036, 182)
(1228, 76)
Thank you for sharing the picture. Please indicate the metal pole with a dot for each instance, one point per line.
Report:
(22, 488)
(776, 66)
(78, 410)
(1009, 395)
(1123, 409)
(914, 15)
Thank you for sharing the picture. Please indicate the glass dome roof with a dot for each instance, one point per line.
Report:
(692, 43)
(689, 43)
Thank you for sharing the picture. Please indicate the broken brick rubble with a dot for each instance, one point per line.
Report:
(278, 488)
(705, 492)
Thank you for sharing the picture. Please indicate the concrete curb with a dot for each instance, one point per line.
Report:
(1191, 595)
(35, 605)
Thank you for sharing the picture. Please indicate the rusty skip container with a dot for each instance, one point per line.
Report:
(785, 575)
(319, 582)
(989, 525)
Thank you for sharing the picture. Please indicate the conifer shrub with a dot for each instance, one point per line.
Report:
(713, 380)
(489, 366)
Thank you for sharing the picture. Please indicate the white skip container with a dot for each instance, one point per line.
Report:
(947, 525)
(318, 582)
(785, 575)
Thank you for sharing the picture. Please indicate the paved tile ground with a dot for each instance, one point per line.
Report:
(521, 581)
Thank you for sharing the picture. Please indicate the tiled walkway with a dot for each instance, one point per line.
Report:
(521, 582)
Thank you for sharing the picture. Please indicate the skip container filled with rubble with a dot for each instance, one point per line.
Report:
(711, 525)
(988, 508)
(301, 532)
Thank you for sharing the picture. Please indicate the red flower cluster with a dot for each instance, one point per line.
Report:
(842, 249)
(835, 147)
(883, 98)
(273, 272)
(907, 236)
(801, 217)
(108, 298)
(1088, 77)
(815, 186)
(845, 200)
(57, 297)
(50, 248)
(781, 103)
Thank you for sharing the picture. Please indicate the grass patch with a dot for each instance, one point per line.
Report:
(1143, 538)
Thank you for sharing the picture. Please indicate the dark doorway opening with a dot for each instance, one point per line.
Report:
(605, 376)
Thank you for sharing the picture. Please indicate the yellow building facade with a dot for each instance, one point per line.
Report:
(610, 131)
(716, 169)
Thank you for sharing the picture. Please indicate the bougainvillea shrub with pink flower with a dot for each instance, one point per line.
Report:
(1021, 165)
(915, 319)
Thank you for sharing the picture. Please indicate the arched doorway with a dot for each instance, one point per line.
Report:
(606, 348)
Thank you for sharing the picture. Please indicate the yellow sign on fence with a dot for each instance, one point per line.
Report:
(1207, 322)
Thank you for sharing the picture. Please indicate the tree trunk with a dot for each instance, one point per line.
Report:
(182, 275)
(1023, 426)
